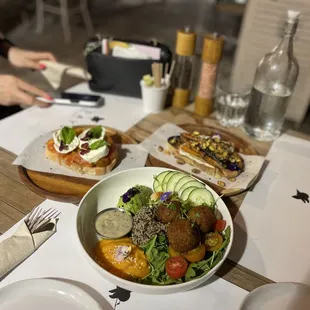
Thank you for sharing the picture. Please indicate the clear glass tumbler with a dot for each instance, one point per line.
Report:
(231, 105)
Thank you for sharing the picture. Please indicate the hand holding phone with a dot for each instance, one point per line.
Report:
(75, 99)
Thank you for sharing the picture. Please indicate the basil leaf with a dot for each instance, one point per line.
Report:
(96, 145)
(96, 132)
(67, 134)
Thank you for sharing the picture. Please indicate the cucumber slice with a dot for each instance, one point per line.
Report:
(174, 180)
(167, 178)
(194, 183)
(158, 181)
(181, 182)
(157, 186)
(186, 192)
(201, 196)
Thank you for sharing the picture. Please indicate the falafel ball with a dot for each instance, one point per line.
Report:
(168, 213)
(203, 217)
(182, 236)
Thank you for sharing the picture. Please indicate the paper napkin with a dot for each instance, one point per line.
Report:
(54, 72)
(22, 244)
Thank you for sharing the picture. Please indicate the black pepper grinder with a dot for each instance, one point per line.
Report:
(182, 78)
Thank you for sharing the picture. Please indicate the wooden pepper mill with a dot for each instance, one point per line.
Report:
(211, 56)
(182, 78)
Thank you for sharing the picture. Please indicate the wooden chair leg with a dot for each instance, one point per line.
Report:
(64, 14)
(39, 16)
(86, 17)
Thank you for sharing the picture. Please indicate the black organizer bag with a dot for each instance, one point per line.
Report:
(122, 76)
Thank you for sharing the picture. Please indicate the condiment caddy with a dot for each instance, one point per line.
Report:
(154, 89)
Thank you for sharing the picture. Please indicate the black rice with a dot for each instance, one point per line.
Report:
(145, 226)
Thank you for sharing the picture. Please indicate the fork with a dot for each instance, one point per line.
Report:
(38, 217)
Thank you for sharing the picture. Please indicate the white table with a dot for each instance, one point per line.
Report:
(60, 257)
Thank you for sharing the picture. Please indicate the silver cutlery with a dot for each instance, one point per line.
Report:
(38, 218)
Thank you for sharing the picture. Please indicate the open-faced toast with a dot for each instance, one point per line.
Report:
(84, 153)
(210, 154)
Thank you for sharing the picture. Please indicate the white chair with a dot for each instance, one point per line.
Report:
(64, 11)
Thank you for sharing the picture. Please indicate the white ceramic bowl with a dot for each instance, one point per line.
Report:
(105, 194)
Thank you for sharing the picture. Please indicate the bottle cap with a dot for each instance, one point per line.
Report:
(186, 41)
(212, 48)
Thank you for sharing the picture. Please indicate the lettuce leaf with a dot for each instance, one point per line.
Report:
(156, 251)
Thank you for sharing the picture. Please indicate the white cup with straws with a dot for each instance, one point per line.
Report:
(154, 89)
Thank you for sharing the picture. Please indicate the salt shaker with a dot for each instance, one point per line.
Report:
(182, 78)
(211, 56)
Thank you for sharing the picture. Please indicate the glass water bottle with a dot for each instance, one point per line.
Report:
(274, 82)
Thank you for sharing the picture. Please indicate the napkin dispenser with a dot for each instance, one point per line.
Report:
(121, 76)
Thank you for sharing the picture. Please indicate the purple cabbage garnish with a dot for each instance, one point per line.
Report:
(89, 135)
(83, 152)
(62, 146)
(126, 198)
(85, 145)
(165, 196)
(129, 194)
(233, 167)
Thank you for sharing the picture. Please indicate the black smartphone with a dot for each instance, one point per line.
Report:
(75, 99)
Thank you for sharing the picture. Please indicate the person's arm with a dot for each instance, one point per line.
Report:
(15, 91)
(23, 58)
(5, 45)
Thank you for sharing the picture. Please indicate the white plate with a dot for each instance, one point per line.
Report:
(105, 194)
(45, 294)
(278, 296)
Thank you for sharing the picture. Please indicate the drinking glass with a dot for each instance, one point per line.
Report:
(231, 104)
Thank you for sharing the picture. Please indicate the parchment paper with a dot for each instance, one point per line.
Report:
(33, 157)
(159, 138)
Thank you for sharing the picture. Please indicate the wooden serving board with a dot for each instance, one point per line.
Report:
(61, 187)
(242, 146)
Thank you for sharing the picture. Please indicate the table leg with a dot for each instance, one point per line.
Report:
(64, 12)
(39, 16)
(86, 17)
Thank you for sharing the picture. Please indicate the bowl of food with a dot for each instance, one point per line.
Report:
(155, 231)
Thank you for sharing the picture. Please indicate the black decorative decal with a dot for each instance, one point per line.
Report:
(301, 196)
(96, 119)
(120, 295)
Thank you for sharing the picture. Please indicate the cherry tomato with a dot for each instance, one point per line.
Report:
(156, 195)
(219, 225)
(173, 252)
(196, 254)
(176, 267)
(213, 241)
